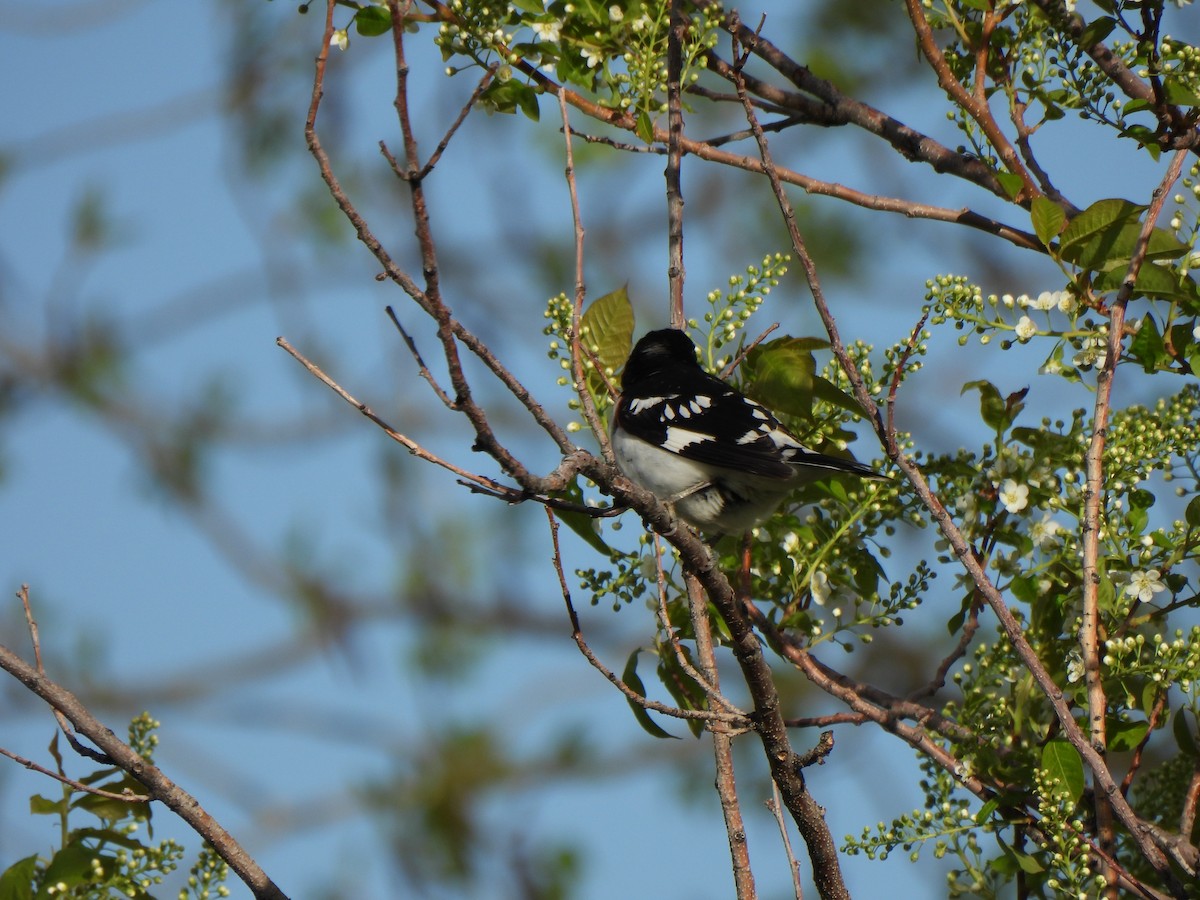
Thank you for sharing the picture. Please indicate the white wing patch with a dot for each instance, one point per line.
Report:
(642, 404)
(678, 438)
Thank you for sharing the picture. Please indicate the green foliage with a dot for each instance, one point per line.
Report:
(616, 51)
(104, 856)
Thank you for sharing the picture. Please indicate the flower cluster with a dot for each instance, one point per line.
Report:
(733, 307)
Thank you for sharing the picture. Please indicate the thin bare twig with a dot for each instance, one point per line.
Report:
(713, 693)
(422, 369)
(725, 781)
(776, 808)
(408, 443)
(582, 391)
(745, 351)
(128, 797)
(705, 715)
(63, 724)
(160, 787)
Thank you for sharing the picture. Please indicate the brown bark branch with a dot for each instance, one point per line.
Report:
(158, 785)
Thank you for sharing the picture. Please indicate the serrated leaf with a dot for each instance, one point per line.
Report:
(606, 332)
(780, 376)
(1048, 219)
(1062, 762)
(371, 21)
(631, 678)
(1104, 236)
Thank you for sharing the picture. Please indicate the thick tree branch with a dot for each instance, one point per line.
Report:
(158, 785)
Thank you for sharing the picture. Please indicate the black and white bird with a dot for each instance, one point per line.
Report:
(723, 462)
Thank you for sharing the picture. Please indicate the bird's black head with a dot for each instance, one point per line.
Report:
(658, 352)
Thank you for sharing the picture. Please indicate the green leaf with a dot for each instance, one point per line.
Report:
(985, 811)
(828, 392)
(1048, 219)
(631, 678)
(992, 407)
(1192, 514)
(16, 883)
(1063, 763)
(779, 375)
(680, 685)
(1096, 30)
(1011, 184)
(1147, 346)
(112, 811)
(1152, 281)
(371, 21)
(606, 332)
(1185, 733)
(1103, 237)
(509, 96)
(44, 806)
(72, 865)
(1029, 864)
(955, 623)
(645, 128)
(580, 522)
(1179, 94)
(1125, 735)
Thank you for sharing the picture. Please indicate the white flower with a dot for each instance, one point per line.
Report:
(1144, 585)
(1015, 497)
(547, 31)
(1025, 329)
(819, 586)
(615, 14)
(1045, 532)
(1008, 300)
(1196, 332)
(1067, 303)
(1045, 300)
(339, 39)
(594, 56)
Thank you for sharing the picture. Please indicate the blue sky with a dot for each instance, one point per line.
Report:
(130, 593)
